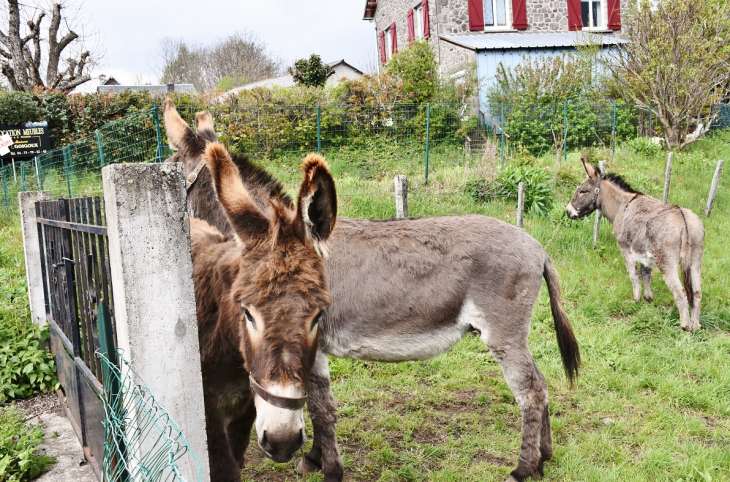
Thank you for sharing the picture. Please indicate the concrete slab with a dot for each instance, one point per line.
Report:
(61, 442)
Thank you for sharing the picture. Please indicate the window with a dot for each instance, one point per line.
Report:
(418, 21)
(388, 43)
(591, 11)
(495, 13)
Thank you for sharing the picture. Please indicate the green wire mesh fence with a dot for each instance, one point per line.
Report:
(361, 142)
(142, 442)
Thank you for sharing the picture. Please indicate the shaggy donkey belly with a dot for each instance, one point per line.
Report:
(646, 259)
(405, 346)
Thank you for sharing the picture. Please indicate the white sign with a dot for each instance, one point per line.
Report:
(5, 142)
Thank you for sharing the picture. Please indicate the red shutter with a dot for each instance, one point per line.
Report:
(519, 14)
(393, 38)
(476, 15)
(614, 14)
(411, 29)
(383, 57)
(426, 25)
(574, 15)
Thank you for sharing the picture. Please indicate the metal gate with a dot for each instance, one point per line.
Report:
(76, 281)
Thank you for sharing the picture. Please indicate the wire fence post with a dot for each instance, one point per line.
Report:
(428, 135)
(501, 128)
(667, 177)
(613, 132)
(713, 188)
(651, 131)
(66, 163)
(520, 203)
(401, 196)
(319, 130)
(100, 147)
(5, 188)
(39, 172)
(156, 117)
(565, 131)
(23, 185)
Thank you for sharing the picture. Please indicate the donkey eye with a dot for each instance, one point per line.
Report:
(316, 320)
(249, 317)
(583, 191)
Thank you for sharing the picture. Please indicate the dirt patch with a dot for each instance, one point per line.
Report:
(492, 459)
(41, 403)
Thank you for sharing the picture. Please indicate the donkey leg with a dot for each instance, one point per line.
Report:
(696, 276)
(239, 433)
(646, 277)
(223, 466)
(633, 268)
(325, 453)
(671, 278)
(546, 434)
(526, 385)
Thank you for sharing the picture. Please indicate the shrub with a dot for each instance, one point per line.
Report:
(417, 69)
(17, 108)
(644, 146)
(18, 442)
(538, 187)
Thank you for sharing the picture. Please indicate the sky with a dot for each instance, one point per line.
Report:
(129, 31)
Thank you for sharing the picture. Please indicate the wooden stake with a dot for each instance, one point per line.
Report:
(520, 203)
(401, 196)
(713, 188)
(667, 178)
(597, 225)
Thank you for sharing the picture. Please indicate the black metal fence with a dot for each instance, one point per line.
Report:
(76, 280)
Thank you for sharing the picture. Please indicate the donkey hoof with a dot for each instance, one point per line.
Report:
(307, 465)
(649, 298)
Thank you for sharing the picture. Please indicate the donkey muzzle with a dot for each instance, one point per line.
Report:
(279, 420)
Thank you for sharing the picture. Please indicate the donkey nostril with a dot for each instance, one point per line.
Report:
(301, 437)
(263, 438)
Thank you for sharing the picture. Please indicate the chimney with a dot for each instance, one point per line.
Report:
(170, 88)
(102, 79)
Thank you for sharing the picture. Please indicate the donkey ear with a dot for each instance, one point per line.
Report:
(590, 170)
(204, 126)
(317, 206)
(247, 219)
(176, 128)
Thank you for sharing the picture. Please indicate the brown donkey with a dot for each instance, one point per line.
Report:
(409, 289)
(651, 234)
(259, 300)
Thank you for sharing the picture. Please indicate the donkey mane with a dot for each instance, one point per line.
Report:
(255, 177)
(619, 181)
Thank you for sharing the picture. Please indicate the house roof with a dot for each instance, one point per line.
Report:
(370, 7)
(153, 89)
(503, 41)
(282, 81)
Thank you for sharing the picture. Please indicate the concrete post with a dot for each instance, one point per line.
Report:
(401, 196)
(154, 297)
(31, 247)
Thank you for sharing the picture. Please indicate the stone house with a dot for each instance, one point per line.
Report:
(491, 31)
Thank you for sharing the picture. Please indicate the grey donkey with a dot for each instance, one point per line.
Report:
(409, 289)
(651, 234)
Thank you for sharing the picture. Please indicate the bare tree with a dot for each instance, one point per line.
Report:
(22, 48)
(241, 57)
(675, 62)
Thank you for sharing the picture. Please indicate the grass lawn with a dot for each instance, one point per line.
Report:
(651, 402)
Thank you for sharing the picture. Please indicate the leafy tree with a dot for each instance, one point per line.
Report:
(417, 68)
(22, 49)
(676, 61)
(311, 72)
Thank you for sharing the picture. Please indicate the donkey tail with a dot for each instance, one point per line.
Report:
(564, 332)
(685, 263)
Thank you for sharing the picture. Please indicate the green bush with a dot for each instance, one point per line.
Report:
(17, 108)
(416, 67)
(644, 146)
(25, 367)
(18, 442)
(538, 187)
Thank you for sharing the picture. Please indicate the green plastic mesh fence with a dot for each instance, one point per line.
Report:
(142, 442)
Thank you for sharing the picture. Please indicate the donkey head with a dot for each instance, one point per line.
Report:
(279, 291)
(585, 197)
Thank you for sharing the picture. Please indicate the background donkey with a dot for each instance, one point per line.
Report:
(651, 234)
(259, 300)
(409, 289)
